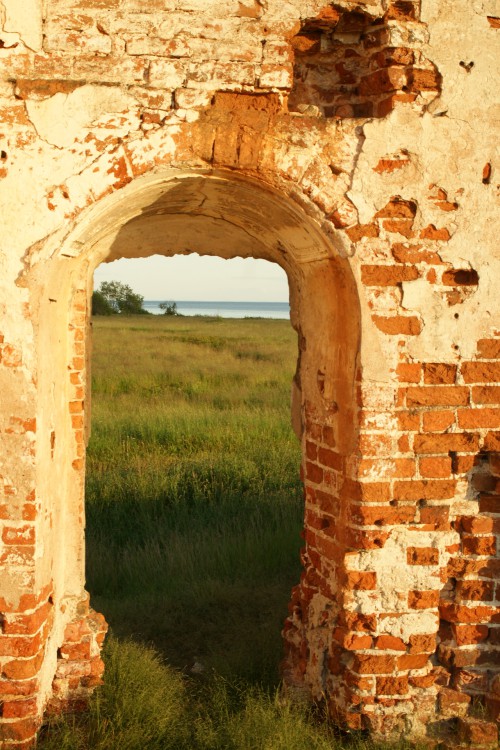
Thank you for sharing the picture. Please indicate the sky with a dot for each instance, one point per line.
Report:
(194, 277)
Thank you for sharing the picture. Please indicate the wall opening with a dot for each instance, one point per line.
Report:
(193, 499)
(224, 215)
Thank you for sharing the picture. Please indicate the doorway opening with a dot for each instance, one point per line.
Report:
(193, 499)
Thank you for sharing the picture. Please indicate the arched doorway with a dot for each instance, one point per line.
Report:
(223, 214)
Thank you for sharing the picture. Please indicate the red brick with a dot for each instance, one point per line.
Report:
(373, 664)
(331, 459)
(409, 420)
(19, 732)
(404, 468)
(438, 421)
(431, 233)
(477, 733)
(399, 226)
(482, 613)
(311, 450)
(479, 545)
(390, 165)
(352, 641)
(436, 515)
(362, 230)
(314, 473)
(423, 643)
(488, 348)
(469, 635)
(361, 539)
(382, 515)
(406, 253)
(423, 599)
(438, 395)
(423, 79)
(476, 524)
(23, 669)
(412, 661)
(486, 394)
(390, 643)
(425, 489)
(361, 580)
(392, 685)
(435, 467)
(358, 621)
(477, 418)
(437, 373)
(481, 372)
(458, 442)
(409, 372)
(492, 441)
(19, 709)
(422, 556)
(398, 208)
(398, 325)
(15, 687)
(387, 275)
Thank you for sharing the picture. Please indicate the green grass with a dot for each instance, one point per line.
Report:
(194, 512)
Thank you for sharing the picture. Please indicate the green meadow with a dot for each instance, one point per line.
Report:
(194, 512)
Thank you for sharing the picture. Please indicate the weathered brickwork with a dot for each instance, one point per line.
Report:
(354, 144)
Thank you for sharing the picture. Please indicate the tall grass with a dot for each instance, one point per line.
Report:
(194, 512)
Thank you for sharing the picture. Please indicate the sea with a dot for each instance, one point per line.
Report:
(224, 309)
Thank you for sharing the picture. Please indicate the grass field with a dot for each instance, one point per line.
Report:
(194, 513)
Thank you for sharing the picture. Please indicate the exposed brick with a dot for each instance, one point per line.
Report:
(460, 277)
(359, 231)
(484, 394)
(422, 556)
(438, 420)
(481, 372)
(406, 253)
(424, 489)
(468, 635)
(387, 275)
(438, 395)
(422, 643)
(488, 348)
(435, 467)
(390, 643)
(437, 373)
(412, 661)
(478, 733)
(437, 516)
(481, 545)
(423, 599)
(398, 325)
(409, 372)
(432, 233)
(477, 418)
(392, 685)
(374, 663)
(476, 524)
(361, 580)
(457, 442)
(398, 208)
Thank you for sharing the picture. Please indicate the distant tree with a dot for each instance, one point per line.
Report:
(169, 308)
(100, 305)
(121, 298)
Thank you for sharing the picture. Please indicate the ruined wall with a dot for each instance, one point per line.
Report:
(354, 144)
